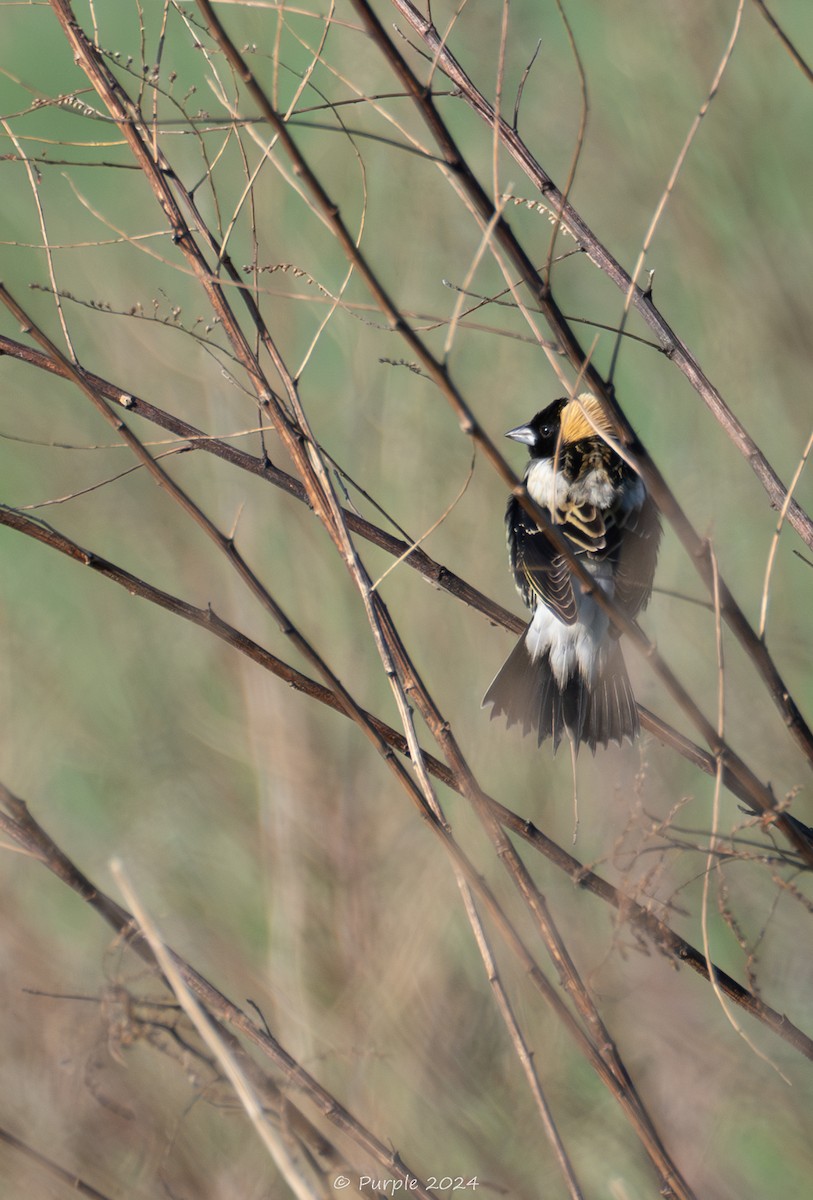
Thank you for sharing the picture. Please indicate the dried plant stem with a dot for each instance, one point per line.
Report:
(521, 1049)
(670, 185)
(712, 861)
(255, 365)
(46, 242)
(766, 587)
(68, 1178)
(287, 1164)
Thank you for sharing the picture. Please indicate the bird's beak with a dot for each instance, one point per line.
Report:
(522, 433)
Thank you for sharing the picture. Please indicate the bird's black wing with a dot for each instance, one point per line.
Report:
(541, 574)
(637, 554)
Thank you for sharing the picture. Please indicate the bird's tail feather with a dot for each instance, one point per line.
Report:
(526, 692)
(613, 712)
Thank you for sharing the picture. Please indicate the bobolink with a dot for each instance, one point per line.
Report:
(567, 673)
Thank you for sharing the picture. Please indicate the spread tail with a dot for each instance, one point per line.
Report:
(526, 692)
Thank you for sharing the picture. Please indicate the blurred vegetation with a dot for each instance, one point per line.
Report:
(267, 839)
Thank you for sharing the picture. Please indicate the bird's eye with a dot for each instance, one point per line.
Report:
(546, 431)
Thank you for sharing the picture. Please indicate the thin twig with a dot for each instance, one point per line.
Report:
(713, 843)
(68, 1178)
(34, 184)
(521, 1049)
(763, 608)
(670, 185)
(275, 1144)
(800, 62)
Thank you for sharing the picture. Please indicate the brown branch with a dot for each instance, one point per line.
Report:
(800, 62)
(71, 1180)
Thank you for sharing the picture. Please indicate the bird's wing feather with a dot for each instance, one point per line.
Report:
(583, 525)
(637, 555)
(541, 573)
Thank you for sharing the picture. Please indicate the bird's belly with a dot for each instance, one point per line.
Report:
(578, 648)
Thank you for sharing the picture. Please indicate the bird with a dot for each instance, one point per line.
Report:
(566, 674)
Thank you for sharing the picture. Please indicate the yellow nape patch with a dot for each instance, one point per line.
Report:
(584, 418)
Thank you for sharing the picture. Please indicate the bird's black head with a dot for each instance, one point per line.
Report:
(542, 431)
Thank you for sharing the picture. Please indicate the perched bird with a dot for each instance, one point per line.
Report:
(566, 673)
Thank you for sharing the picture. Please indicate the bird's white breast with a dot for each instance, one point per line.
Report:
(544, 485)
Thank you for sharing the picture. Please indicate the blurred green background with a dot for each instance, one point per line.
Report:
(268, 840)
